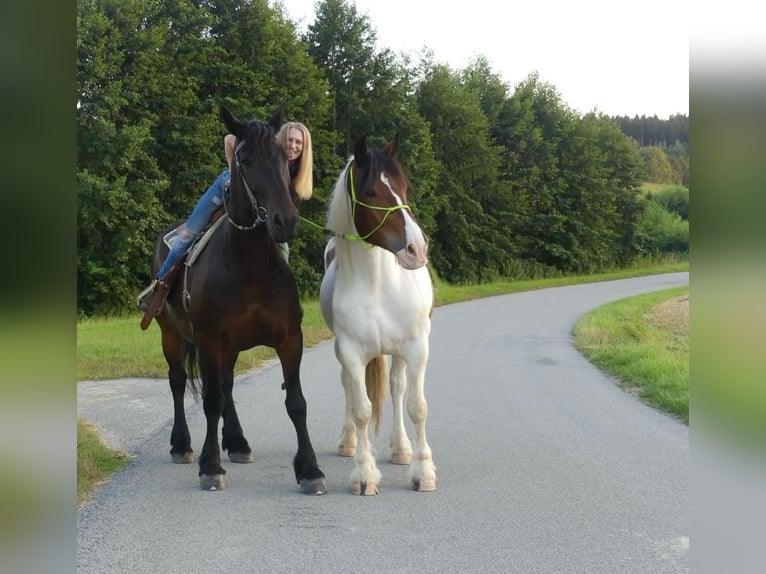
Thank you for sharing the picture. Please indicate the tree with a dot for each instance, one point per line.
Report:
(656, 165)
(531, 127)
(468, 244)
(342, 43)
(489, 88)
(118, 178)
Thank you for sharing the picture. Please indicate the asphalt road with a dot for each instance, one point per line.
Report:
(543, 464)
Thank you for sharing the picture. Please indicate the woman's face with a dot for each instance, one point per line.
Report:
(294, 144)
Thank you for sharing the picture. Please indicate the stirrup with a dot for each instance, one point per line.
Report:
(156, 302)
(145, 296)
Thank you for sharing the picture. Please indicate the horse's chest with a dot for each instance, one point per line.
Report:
(382, 325)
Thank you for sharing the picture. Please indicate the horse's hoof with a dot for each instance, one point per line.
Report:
(243, 457)
(212, 482)
(313, 487)
(364, 488)
(401, 457)
(424, 485)
(182, 457)
(346, 450)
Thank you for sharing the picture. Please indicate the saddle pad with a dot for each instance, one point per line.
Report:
(196, 247)
(200, 244)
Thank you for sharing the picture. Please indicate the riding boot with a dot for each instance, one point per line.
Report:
(152, 299)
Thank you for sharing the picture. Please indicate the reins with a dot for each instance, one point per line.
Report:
(257, 209)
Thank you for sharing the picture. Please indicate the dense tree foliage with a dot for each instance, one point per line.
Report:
(656, 166)
(655, 131)
(506, 182)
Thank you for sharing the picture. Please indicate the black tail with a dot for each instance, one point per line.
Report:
(192, 367)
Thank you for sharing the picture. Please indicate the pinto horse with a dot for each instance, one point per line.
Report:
(239, 293)
(376, 297)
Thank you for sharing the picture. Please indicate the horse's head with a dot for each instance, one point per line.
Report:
(377, 186)
(260, 181)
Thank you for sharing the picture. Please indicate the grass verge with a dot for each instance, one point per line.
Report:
(643, 341)
(95, 461)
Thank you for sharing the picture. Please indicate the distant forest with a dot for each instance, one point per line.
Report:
(652, 131)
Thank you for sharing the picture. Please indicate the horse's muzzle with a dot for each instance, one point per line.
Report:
(413, 256)
(282, 227)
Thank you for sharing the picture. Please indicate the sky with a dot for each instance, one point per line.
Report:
(616, 58)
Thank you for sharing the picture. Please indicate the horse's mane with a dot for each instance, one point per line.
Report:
(262, 137)
(339, 205)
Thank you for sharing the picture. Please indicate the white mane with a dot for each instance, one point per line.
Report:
(339, 205)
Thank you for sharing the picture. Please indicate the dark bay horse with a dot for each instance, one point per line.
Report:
(239, 293)
(376, 297)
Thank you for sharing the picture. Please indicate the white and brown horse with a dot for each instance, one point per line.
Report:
(377, 297)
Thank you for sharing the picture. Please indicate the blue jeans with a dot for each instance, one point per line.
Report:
(211, 200)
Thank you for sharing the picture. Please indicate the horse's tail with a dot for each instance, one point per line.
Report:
(190, 356)
(375, 379)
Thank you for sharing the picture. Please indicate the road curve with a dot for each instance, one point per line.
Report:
(543, 464)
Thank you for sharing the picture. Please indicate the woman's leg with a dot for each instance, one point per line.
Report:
(199, 218)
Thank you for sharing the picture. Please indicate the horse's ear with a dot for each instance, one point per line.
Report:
(235, 126)
(277, 118)
(392, 147)
(360, 151)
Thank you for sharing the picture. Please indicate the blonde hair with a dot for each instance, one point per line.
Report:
(304, 179)
(229, 140)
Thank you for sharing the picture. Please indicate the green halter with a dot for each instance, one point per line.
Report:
(354, 203)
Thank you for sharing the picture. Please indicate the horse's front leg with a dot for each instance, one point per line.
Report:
(365, 477)
(399, 444)
(210, 470)
(307, 473)
(232, 438)
(422, 472)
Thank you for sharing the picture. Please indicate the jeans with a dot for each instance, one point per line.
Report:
(200, 216)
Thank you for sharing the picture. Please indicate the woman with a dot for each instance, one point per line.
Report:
(300, 159)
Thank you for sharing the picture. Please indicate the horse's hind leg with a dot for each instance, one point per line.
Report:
(307, 473)
(180, 439)
(232, 438)
(399, 444)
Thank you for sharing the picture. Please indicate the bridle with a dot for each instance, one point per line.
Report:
(261, 215)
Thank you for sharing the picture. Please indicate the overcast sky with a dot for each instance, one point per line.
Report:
(613, 57)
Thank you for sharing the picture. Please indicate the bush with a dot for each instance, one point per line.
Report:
(663, 231)
(675, 199)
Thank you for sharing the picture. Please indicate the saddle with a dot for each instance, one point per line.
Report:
(162, 288)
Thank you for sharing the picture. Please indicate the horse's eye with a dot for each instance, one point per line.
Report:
(246, 161)
(370, 192)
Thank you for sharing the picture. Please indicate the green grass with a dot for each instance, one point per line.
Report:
(95, 461)
(644, 345)
(648, 187)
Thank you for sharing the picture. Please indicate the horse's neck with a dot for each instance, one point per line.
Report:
(246, 246)
(357, 261)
